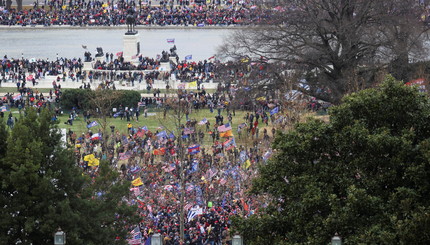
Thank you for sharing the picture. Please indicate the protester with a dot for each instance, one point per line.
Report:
(96, 13)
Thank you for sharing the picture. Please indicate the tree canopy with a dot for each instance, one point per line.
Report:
(43, 189)
(364, 175)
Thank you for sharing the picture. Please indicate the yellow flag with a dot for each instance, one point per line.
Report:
(137, 182)
(262, 98)
(89, 157)
(192, 84)
(226, 134)
(94, 162)
(246, 164)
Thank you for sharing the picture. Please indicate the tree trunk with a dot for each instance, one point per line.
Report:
(19, 5)
(8, 4)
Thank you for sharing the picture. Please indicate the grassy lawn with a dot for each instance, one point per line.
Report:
(154, 121)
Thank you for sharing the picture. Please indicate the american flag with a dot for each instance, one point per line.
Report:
(224, 128)
(188, 206)
(203, 122)
(188, 130)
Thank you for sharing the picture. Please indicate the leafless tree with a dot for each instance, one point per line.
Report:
(338, 45)
(102, 102)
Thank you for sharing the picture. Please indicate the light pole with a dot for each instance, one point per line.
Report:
(336, 240)
(157, 239)
(59, 237)
(237, 240)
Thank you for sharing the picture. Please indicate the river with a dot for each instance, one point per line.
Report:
(67, 42)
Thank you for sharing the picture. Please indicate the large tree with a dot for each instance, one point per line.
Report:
(43, 189)
(338, 45)
(364, 175)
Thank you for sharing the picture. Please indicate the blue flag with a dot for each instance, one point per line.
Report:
(274, 111)
(92, 124)
(162, 134)
(4, 108)
(172, 135)
(189, 57)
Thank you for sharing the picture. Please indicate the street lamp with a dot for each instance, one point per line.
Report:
(59, 237)
(157, 239)
(237, 240)
(336, 240)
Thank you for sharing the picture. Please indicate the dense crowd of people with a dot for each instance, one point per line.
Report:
(217, 169)
(218, 156)
(97, 13)
(106, 71)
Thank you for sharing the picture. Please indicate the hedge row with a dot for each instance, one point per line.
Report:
(80, 98)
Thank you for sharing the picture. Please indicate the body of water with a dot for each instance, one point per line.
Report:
(47, 43)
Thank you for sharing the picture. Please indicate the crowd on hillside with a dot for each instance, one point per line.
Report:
(220, 154)
(97, 13)
(219, 157)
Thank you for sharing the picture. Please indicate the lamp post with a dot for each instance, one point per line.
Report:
(336, 240)
(157, 239)
(59, 237)
(237, 240)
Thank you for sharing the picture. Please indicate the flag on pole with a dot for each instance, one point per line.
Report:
(192, 85)
(224, 128)
(17, 97)
(226, 134)
(274, 111)
(170, 40)
(246, 164)
(188, 130)
(96, 136)
(162, 134)
(137, 182)
(189, 57)
(194, 149)
(92, 124)
(203, 121)
(4, 108)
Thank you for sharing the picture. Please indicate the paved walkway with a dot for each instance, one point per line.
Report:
(158, 84)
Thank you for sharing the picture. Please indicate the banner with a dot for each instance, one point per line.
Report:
(194, 149)
(92, 124)
(137, 182)
(224, 128)
(226, 134)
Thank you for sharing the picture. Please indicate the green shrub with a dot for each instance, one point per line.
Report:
(80, 98)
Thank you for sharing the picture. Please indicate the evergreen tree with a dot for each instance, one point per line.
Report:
(43, 189)
(364, 175)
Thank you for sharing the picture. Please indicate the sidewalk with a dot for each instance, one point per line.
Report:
(158, 84)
